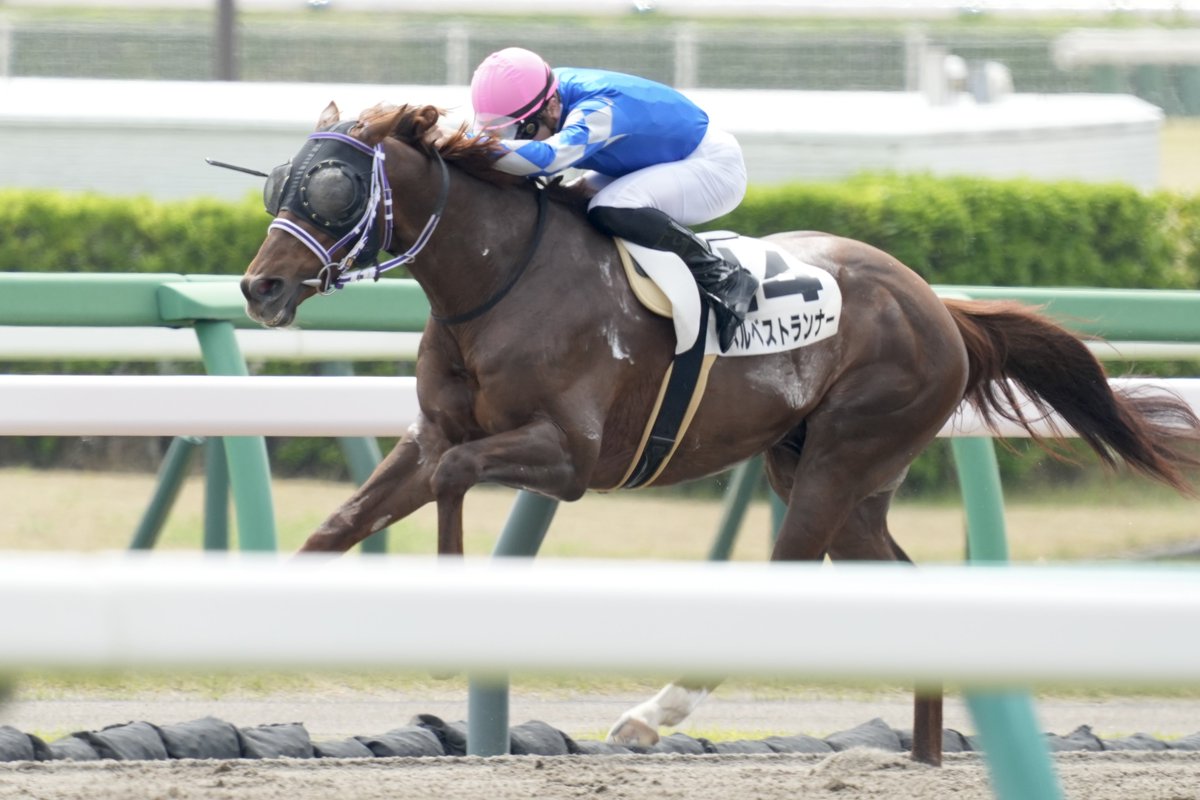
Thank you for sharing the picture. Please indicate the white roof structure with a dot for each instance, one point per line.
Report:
(151, 137)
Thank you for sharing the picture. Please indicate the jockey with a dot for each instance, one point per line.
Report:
(654, 162)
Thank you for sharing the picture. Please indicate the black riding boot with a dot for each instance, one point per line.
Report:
(729, 287)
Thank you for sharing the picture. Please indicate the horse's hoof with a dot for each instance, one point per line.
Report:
(633, 732)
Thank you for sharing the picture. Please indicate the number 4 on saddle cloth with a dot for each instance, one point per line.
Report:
(796, 305)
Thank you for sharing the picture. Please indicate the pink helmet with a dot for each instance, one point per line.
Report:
(510, 85)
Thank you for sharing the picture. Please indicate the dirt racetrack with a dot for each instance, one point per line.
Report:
(851, 774)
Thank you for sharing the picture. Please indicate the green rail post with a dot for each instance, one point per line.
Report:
(1107, 79)
(170, 480)
(216, 496)
(362, 456)
(249, 472)
(738, 494)
(1018, 760)
(1189, 89)
(778, 511)
(487, 698)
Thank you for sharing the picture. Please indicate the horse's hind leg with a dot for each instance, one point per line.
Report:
(861, 539)
(676, 701)
(865, 537)
(672, 705)
(857, 449)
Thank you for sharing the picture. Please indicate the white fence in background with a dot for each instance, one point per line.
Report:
(213, 405)
(47, 343)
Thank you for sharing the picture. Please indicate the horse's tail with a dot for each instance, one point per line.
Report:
(1050, 365)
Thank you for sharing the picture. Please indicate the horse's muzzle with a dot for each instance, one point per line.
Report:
(268, 300)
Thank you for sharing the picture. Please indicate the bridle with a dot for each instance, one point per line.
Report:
(338, 273)
(360, 236)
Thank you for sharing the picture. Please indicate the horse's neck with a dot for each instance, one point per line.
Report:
(482, 238)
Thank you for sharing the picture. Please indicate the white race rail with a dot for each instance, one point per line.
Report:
(996, 625)
(37, 343)
(204, 405)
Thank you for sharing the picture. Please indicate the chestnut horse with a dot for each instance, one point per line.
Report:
(547, 388)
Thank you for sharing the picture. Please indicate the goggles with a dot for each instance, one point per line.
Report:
(523, 123)
(508, 128)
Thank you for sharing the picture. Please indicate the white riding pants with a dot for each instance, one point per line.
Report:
(710, 182)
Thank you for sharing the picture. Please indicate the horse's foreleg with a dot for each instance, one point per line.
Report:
(397, 487)
(671, 706)
(538, 457)
(450, 525)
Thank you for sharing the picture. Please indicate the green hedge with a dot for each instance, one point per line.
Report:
(46, 231)
(997, 232)
(950, 230)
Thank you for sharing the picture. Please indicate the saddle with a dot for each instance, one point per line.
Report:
(797, 304)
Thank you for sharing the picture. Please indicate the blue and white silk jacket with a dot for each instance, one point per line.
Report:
(611, 123)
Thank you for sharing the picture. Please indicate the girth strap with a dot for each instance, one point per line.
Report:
(682, 390)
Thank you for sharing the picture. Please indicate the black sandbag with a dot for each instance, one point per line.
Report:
(682, 743)
(135, 741)
(875, 734)
(1138, 741)
(1080, 739)
(797, 744)
(536, 738)
(1191, 742)
(952, 741)
(742, 746)
(342, 748)
(72, 748)
(284, 740)
(15, 745)
(201, 738)
(594, 747)
(452, 735)
(409, 741)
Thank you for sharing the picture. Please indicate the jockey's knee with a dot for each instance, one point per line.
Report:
(636, 224)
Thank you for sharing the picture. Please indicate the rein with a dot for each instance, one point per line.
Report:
(335, 274)
(489, 304)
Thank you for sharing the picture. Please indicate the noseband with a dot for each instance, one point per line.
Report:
(289, 188)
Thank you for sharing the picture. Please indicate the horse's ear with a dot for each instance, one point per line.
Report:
(426, 119)
(329, 117)
(377, 122)
(413, 124)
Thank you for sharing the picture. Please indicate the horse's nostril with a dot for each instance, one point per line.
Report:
(265, 288)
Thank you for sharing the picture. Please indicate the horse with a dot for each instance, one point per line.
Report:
(538, 368)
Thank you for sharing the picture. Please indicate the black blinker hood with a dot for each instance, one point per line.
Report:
(329, 185)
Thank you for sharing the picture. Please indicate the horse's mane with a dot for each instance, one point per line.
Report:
(418, 127)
